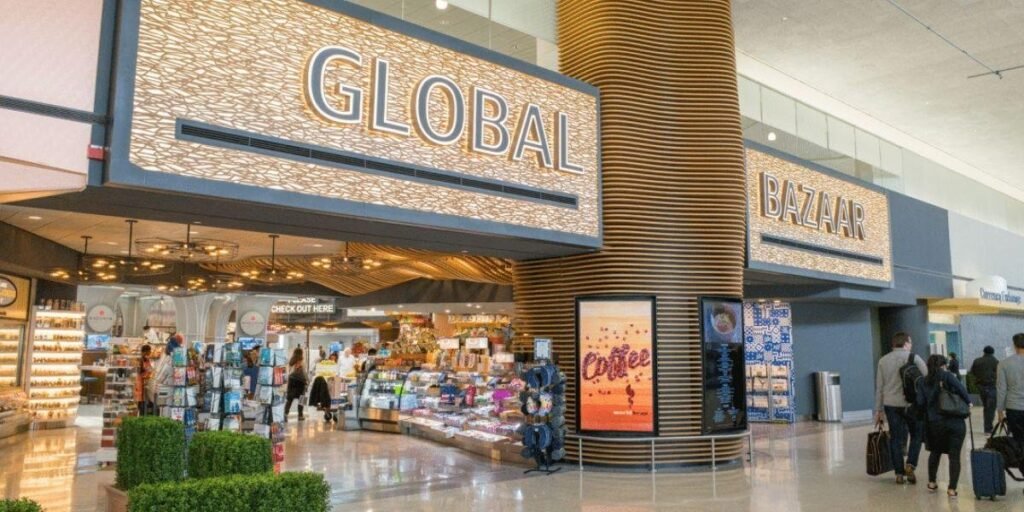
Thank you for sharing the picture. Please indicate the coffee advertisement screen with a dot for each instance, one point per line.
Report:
(616, 365)
(725, 400)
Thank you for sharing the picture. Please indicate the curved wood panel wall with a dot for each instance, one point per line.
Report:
(674, 200)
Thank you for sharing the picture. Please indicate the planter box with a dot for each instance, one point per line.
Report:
(117, 500)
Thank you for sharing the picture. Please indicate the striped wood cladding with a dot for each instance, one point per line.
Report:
(674, 198)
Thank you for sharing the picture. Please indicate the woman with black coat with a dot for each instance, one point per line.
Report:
(297, 382)
(943, 434)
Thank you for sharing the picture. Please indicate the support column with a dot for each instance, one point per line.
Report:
(220, 313)
(191, 315)
(673, 197)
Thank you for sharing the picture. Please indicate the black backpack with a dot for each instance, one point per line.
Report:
(911, 375)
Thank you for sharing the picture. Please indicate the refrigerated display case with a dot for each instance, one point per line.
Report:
(380, 400)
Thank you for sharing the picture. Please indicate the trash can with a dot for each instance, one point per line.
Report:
(830, 399)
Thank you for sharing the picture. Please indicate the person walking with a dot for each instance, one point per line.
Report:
(953, 364)
(983, 369)
(895, 398)
(297, 382)
(1010, 389)
(944, 434)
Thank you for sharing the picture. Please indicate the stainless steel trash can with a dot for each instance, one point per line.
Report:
(830, 399)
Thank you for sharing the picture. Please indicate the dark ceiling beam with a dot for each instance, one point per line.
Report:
(30, 255)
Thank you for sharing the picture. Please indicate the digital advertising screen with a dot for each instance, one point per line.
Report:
(722, 348)
(616, 366)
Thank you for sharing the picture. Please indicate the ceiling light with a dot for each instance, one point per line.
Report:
(441, 4)
(111, 243)
(400, 306)
(34, 217)
(273, 275)
(447, 311)
(771, 136)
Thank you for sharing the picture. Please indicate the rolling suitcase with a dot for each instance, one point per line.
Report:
(987, 470)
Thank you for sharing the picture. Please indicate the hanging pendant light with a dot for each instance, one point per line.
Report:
(273, 275)
(96, 268)
(189, 250)
(344, 264)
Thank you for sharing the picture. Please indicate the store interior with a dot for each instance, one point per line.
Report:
(404, 341)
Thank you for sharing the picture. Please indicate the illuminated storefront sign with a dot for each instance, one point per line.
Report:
(811, 222)
(303, 306)
(341, 103)
(799, 204)
(616, 365)
(489, 129)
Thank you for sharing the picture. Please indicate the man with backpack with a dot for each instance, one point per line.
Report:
(895, 393)
(1010, 389)
(984, 372)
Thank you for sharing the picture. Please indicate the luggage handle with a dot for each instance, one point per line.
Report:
(970, 423)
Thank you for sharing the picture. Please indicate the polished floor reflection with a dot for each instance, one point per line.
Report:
(806, 467)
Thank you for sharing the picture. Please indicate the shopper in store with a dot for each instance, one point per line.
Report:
(164, 373)
(895, 400)
(297, 382)
(944, 434)
(983, 369)
(1010, 389)
(144, 381)
(346, 364)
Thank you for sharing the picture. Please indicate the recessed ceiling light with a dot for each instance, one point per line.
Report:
(124, 252)
(34, 217)
(772, 136)
(318, 245)
(193, 232)
(447, 311)
(400, 306)
(441, 4)
(111, 243)
(197, 222)
(785, 18)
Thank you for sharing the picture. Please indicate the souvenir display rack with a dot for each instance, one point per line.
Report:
(119, 392)
(58, 338)
(270, 394)
(183, 402)
(222, 406)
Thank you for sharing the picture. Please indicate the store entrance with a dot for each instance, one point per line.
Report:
(254, 332)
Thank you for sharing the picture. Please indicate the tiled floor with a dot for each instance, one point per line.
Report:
(808, 467)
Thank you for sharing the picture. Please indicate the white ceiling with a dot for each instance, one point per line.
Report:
(110, 234)
(872, 57)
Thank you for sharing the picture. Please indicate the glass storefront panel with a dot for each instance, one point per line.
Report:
(523, 29)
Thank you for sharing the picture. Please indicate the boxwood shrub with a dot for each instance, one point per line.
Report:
(228, 453)
(22, 505)
(287, 492)
(150, 449)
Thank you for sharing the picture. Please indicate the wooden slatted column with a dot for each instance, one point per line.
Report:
(674, 200)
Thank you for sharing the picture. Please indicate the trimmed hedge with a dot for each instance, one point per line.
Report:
(22, 505)
(228, 453)
(287, 492)
(150, 449)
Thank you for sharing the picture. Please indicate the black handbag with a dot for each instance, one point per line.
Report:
(952, 404)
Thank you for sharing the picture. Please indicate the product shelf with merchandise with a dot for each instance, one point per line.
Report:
(54, 361)
(475, 411)
(10, 352)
